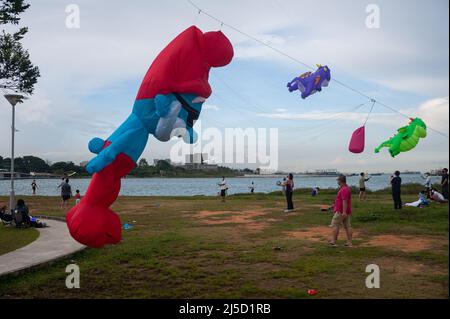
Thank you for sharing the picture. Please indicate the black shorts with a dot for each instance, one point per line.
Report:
(362, 189)
(65, 197)
(223, 193)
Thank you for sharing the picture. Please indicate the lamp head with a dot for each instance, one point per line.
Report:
(13, 99)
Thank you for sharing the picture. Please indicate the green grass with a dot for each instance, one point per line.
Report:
(173, 252)
(12, 238)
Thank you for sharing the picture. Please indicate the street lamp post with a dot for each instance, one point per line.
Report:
(13, 99)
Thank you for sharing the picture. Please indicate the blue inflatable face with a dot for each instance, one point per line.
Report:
(310, 83)
(178, 114)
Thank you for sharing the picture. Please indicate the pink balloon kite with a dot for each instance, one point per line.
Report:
(358, 141)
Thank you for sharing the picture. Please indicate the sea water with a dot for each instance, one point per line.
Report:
(199, 186)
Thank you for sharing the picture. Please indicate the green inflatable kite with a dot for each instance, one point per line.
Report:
(407, 138)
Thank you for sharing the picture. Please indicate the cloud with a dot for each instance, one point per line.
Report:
(379, 118)
(435, 113)
(398, 58)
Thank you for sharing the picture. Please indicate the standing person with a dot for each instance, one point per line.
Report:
(252, 188)
(428, 184)
(223, 189)
(66, 193)
(62, 182)
(342, 212)
(444, 183)
(34, 186)
(77, 197)
(289, 191)
(396, 183)
(362, 186)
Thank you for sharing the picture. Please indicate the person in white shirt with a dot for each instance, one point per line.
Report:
(428, 182)
(437, 197)
(223, 189)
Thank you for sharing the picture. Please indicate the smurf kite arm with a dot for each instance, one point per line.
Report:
(131, 143)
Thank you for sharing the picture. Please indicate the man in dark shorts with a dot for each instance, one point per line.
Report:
(396, 183)
(223, 189)
(252, 188)
(66, 193)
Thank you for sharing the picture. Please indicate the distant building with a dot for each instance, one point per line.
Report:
(197, 158)
(323, 172)
(199, 161)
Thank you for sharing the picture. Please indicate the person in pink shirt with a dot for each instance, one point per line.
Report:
(342, 212)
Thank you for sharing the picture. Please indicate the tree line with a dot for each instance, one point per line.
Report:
(166, 169)
(34, 164)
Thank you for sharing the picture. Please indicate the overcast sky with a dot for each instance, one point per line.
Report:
(90, 76)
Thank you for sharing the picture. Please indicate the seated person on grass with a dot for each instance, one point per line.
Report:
(5, 217)
(421, 202)
(21, 214)
(23, 217)
(437, 197)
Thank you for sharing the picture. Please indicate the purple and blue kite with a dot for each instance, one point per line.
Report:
(310, 83)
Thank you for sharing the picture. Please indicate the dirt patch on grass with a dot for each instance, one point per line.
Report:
(403, 243)
(395, 242)
(401, 266)
(249, 219)
(318, 234)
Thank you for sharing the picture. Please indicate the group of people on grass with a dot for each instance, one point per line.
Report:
(425, 196)
(66, 192)
(20, 216)
(342, 207)
(429, 194)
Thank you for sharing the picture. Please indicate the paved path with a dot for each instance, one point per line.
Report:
(54, 242)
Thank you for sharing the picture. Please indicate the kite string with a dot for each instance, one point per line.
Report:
(256, 107)
(336, 116)
(248, 35)
(325, 130)
(370, 112)
(222, 23)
